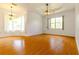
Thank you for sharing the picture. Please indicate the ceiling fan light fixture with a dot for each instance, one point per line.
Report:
(46, 11)
(11, 12)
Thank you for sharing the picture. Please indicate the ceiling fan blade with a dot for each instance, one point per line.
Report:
(14, 4)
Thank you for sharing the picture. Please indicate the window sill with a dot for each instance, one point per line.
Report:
(56, 29)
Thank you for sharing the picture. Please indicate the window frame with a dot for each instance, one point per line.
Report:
(55, 23)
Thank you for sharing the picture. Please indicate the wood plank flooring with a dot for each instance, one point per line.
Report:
(38, 45)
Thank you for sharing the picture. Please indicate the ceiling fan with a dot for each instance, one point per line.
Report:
(49, 11)
(11, 15)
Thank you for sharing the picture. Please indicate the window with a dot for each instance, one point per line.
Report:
(57, 23)
(15, 24)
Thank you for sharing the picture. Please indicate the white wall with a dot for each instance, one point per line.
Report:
(1, 22)
(69, 24)
(34, 23)
(77, 25)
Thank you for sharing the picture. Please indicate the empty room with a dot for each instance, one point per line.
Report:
(39, 29)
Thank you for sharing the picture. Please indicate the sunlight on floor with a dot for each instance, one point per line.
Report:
(56, 44)
(18, 45)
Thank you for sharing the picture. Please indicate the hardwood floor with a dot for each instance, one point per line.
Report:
(38, 45)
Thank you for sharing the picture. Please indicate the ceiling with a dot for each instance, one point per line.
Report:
(53, 7)
(39, 7)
